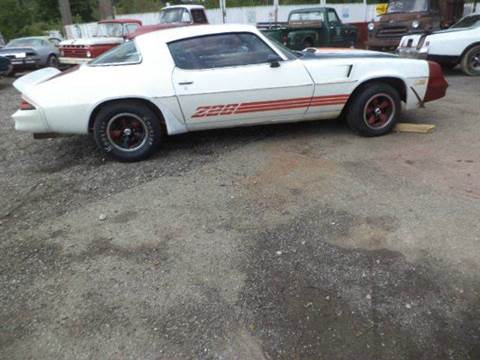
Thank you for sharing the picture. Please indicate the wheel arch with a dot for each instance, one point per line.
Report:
(395, 82)
(142, 101)
(467, 49)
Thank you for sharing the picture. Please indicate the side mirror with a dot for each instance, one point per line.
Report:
(274, 60)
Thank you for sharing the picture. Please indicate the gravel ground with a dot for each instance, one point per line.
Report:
(298, 241)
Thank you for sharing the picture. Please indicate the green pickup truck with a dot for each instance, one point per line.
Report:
(311, 27)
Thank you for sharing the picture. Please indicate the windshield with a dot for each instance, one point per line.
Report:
(25, 42)
(110, 30)
(174, 16)
(289, 54)
(307, 16)
(467, 22)
(397, 6)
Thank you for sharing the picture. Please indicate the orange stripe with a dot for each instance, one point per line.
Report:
(250, 107)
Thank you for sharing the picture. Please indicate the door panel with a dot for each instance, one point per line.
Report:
(246, 94)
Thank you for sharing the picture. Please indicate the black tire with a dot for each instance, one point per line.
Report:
(471, 61)
(374, 110)
(307, 43)
(127, 131)
(52, 61)
(10, 72)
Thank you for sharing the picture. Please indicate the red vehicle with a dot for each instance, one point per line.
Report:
(110, 33)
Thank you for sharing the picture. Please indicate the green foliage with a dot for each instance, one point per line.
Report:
(137, 6)
(32, 17)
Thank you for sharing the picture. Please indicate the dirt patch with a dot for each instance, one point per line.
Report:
(313, 300)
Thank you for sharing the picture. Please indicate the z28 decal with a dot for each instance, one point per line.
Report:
(231, 109)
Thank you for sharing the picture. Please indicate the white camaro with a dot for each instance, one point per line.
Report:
(460, 44)
(193, 78)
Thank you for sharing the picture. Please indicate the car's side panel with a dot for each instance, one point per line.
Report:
(452, 43)
(333, 87)
(243, 95)
(343, 75)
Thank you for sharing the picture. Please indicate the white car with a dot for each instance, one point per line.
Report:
(212, 76)
(460, 44)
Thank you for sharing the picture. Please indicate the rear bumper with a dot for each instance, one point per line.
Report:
(74, 61)
(30, 121)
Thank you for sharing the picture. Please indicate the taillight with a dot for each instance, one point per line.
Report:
(285, 39)
(25, 105)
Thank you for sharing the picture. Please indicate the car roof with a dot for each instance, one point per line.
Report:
(184, 32)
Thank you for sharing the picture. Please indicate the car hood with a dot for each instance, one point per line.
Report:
(93, 41)
(447, 31)
(323, 53)
(15, 50)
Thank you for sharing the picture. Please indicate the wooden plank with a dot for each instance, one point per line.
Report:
(414, 128)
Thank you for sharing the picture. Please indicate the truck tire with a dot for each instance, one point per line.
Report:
(307, 43)
(374, 110)
(127, 131)
(471, 61)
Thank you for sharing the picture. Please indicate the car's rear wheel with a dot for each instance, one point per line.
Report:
(374, 110)
(127, 131)
(471, 61)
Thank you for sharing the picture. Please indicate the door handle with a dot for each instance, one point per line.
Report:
(185, 83)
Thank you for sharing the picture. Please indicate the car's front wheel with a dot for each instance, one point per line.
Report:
(52, 61)
(374, 110)
(127, 131)
(471, 61)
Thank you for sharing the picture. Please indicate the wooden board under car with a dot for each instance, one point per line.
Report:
(414, 128)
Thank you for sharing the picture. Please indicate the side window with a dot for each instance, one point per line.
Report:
(222, 50)
(131, 28)
(332, 17)
(198, 16)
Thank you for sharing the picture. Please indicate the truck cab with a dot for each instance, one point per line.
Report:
(175, 16)
(405, 17)
(311, 27)
(110, 33)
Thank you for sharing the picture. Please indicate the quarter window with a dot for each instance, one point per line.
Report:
(126, 53)
(222, 50)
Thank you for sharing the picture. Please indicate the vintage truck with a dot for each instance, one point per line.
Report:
(311, 27)
(405, 17)
(110, 33)
(175, 16)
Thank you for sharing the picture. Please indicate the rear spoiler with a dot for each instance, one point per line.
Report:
(27, 82)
